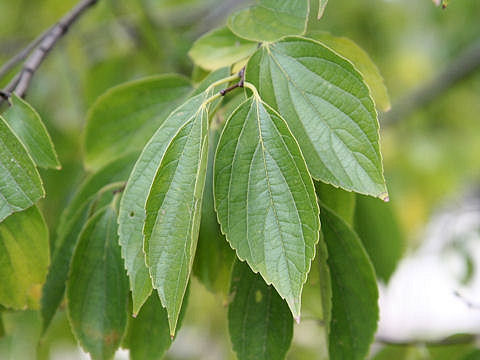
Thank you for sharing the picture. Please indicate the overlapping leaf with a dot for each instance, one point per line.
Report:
(31, 131)
(328, 107)
(360, 59)
(20, 183)
(24, 258)
(259, 321)
(269, 20)
(219, 48)
(340, 201)
(173, 212)
(97, 289)
(354, 290)
(265, 198)
(127, 115)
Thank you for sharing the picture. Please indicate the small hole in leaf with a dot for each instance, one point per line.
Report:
(132, 214)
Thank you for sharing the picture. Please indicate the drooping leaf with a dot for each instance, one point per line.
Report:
(97, 288)
(214, 256)
(54, 288)
(259, 321)
(354, 290)
(360, 59)
(328, 107)
(148, 335)
(340, 201)
(380, 233)
(24, 258)
(265, 198)
(220, 48)
(173, 212)
(20, 182)
(28, 126)
(269, 20)
(127, 115)
(132, 206)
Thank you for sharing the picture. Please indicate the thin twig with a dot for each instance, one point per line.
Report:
(241, 75)
(20, 83)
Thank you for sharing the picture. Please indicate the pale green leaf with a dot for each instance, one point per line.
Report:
(354, 290)
(265, 198)
(28, 126)
(97, 288)
(259, 322)
(54, 288)
(220, 48)
(20, 182)
(340, 201)
(173, 212)
(362, 62)
(24, 258)
(124, 118)
(321, 8)
(269, 20)
(328, 107)
(132, 206)
(214, 256)
(380, 233)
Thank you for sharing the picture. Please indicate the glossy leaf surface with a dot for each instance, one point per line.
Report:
(328, 108)
(265, 198)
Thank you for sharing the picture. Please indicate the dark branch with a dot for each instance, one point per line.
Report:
(38, 51)
(460, 68)
(241, 75)
(453, 340)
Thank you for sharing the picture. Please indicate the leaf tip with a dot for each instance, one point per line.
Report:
(297, 319)
(384, 197)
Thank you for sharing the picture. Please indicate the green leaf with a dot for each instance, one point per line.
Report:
(20, 182)
(259, 322)
(24, 258)
(148, 335)
(380, 233)
(128, 114)
(340, 201)
(54, 288)
(28, 126)
(354, 290)
(220, 48)
(269, 20)
(362, 62)
(214, 257)
(173, 212)
(132, 206)
(97, 288)
(265, 198)
(328, 107)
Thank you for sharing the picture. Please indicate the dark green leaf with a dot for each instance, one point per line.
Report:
(328, 107)
(269, 20)
(27, 125)
(259, 321)
(132, 207)
(340, 201)
(54, 288)
(360, 59)
(127, 115)
(354, 290)
(220, 48)
(24, 258)
(20, 183)
(265, 198)
(380, 233)
(214, 256)
(173, 212)
(97, 288)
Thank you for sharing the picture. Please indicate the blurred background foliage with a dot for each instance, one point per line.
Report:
(431, 156)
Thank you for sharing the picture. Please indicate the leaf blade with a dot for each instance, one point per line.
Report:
(258, 184)
(327, 106)
(29, 128)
